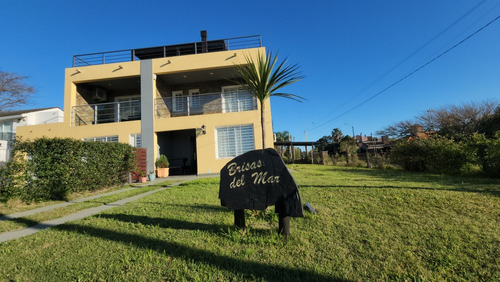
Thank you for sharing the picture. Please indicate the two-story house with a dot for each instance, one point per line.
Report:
(12, 120)
(181, 100)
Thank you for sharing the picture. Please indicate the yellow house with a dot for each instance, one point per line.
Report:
(177, 100)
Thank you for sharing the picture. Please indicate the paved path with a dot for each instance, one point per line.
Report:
(6, 236)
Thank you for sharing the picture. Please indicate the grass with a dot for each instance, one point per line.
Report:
(23, 222)
(370, 225)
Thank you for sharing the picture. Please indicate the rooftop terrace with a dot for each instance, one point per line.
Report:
(203, 46)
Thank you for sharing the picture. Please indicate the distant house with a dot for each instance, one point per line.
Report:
(372, 144)
(10, 121)
(418, 132)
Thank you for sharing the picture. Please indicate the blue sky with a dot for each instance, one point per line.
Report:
(348, 51)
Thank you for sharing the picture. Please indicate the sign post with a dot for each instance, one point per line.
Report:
(256, 180)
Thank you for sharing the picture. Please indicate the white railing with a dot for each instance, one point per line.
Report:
(195, 104)
(202, 104)
(106, 113)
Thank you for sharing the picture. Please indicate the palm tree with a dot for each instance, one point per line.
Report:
(263, 80)
(282, 136)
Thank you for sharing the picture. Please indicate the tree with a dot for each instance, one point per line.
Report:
(263, 80)
(13, 91)
(455, 122)
(491, 127)
(398, 130)
(336, 135)
(282, 136)
(349, 147)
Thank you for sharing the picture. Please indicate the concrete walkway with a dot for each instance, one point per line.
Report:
(6, 236)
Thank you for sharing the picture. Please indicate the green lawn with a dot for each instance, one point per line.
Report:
(370, 225)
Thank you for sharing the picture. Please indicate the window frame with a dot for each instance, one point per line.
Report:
(241, 141)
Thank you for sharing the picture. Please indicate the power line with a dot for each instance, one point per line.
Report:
(411, 73)
(408, 57)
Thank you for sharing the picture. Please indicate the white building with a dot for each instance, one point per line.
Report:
(10, 121)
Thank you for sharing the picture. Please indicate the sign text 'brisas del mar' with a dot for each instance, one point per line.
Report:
(258, 179)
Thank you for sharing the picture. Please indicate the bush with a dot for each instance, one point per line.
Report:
(380, 160)
(491, 159)
(436, 155)
(486, 153)
(5, 190)
(55, 167)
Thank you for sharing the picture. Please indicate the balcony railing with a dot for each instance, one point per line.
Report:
(234, 43)
(9, 136)
(106, 113)
(202, 104)
(195, 104)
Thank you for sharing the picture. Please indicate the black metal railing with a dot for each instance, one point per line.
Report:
(234, 43)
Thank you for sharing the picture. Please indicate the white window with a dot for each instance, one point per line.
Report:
(103, 139)
(237, 99)
(178, 101)
(135, 140)
(231, 141)
(194, 99)
(6, 132)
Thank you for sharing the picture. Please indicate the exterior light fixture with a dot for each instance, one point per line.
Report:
(203, 129)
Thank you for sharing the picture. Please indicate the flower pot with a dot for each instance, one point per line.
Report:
(162, 172)
(152, 176)
(143, 179)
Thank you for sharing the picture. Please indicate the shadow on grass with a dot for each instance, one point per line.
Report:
(249, 269)
(201, 207)
(163, 222)
(19, 220)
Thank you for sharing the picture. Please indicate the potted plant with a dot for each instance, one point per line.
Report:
(162, 166)
(151, 176)
(141, 176)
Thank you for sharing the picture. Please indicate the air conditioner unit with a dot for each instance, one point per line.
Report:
(99, 94)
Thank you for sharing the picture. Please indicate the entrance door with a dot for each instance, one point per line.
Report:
(180, 148)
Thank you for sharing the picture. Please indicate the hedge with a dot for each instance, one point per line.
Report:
(442, 155)
(51, 168)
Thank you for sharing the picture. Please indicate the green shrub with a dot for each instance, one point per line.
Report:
(162, 162)
(485, 154)
(380, 160)
(4, 184)
(55, 167)
(436, 155)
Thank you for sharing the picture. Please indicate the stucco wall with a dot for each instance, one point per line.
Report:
(205, 143)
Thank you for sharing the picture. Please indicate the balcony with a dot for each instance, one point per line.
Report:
(202, 104)
(194, 104)
(218, 45)
(106, 113)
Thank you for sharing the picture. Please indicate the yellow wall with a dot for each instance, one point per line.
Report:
(207, 161)
(122, 129)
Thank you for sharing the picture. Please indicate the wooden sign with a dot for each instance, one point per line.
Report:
(258, 179)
